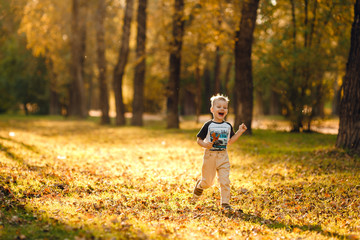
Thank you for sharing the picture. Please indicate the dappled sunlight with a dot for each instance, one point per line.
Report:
(137, 182)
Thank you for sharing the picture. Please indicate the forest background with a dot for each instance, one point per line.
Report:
(122, 60)
(299, 56)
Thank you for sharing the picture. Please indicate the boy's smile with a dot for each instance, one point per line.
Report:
(219, 110)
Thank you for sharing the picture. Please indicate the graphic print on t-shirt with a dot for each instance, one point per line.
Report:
(219, 136)
(216, 133)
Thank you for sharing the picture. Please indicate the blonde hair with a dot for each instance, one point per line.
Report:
(218, 97)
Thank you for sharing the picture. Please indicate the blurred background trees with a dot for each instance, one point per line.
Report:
(301, 62)
(70, 57)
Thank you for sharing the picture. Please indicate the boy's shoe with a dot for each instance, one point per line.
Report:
(239, 211)
(226, 207)
(197, 191)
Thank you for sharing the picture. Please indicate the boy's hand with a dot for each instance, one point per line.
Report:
(242, 127)
(204, 144)
(208, 145)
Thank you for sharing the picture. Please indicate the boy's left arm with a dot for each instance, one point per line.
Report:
(242, 129)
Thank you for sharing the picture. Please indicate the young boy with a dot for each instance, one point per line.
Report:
(215, 135)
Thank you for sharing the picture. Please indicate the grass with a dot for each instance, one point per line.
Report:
(68, 179)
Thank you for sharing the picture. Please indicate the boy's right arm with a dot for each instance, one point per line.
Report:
(242, 129)
(204, 144)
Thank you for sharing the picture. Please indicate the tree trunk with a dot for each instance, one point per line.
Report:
(83, 13)
(217, 67)
(139, 78)
(119, 69)
(188, 102)
(54, 108)
(207, 89)
(349, 127)
(54, 105)
(26, 109)
(198, 91)
(90, 89)
(259, 108)
(295, 111)
(307, 73)
(101, 61)
(175, 66)
(243, 91)
(227, 76)
(77, 91)
(337, 98)
(275, 107)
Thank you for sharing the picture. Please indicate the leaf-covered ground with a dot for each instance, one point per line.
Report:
(79, 180)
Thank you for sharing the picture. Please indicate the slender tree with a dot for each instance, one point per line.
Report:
(101, 61)
(198, 79)
(54, 104)
(229, 65)
(139, 78)
(175, 66)
(296, 116)
(217, 67)
(119, 69)
(349, 126)
(243, 91)
(83, 13)
(198, 100)
(77, 106)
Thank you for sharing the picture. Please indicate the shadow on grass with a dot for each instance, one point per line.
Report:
(18, 223)
(27, 146)
(10, 154)
(314, 153)
(273, 224)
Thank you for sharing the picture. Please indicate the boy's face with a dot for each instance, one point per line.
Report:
(219, 110)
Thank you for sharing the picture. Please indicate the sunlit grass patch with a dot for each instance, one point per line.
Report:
(132, 182)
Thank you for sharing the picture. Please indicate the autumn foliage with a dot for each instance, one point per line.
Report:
(78, 180)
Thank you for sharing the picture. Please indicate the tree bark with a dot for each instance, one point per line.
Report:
(54, 108)
(307, 73)
(274, 107)
(207, 88)
(173, 87)
(259, 107)
(119, 69)
(54, 104)
(101, 61)
(294, 112)
(337, 98)
(83, 13)
(198, 91)
(139, 78)
(349, 126)
(217, 67)
(90, 89)
(77, 106)
(227, 76)
(243, 91)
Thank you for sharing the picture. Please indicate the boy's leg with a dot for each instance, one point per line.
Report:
(197, 191)
(223, 170)
(208, 173)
